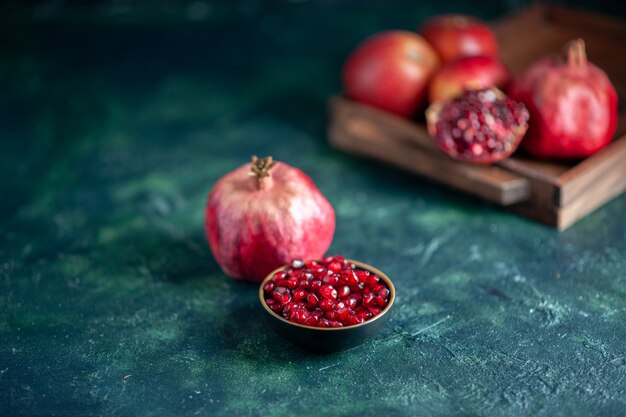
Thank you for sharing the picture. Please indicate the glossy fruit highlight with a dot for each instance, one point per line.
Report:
(390, 70)
(476, 72)
(572, 104)
(457, 36)
(264, 214)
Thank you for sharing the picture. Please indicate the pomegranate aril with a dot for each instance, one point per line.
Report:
(269, 286)
(338, 306)
(311, 321)
(343, 291)
(328, 292)
(299, 294)
(312, 300)
(335, 266)
(297, 263)
(292, 283)
(280, 275)
(326, 304)
(327, 260)
(311, 265)
(334, 324)
(372, 280)
(380, 301)
(353, 319)
(383, 292)
(351, 301)
(368, 298)
(331, 315)
(343, 314)
(330, 279)
(374, 310)
(316, 285)
(362, 275)
(281, 295)
(350, 277)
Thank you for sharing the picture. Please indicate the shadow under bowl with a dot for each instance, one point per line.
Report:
(324, 339)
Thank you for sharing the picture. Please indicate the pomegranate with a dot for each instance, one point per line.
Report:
(357, 295)
(390, 70)
(481, 126)
(572, 104)
(456, 36)
(263, 214)
(474, 72)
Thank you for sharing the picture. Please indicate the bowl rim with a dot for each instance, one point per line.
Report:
(361, 265)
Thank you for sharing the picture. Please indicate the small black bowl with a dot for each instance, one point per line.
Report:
(324, 339)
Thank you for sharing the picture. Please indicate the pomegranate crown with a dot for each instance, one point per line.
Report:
(261, 166)
(575, 52)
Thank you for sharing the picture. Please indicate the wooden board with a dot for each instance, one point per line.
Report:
(554, 193)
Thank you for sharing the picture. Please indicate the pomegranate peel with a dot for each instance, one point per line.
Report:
(264, 214)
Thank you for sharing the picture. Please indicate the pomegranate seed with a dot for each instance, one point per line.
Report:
(380, 301)
(292, 283)
(316, 284)
(304, 284)
(299, 294)
(339, 305)
(297, 263)
(372, 280)
(311, 321)
(331, 315)
(351, 302)
(383, 292)
(330, 279)
(327, 291)
(334, 266)
(350, 277)
(334, 324)
(343, 291)
(280, 275)
(327, 260)
(343, 314)
(362, 275)
(374, 310)
(281, 295)
(326, 304)
(311, 265)
(312, 300)
(368, 298)
(269, 286)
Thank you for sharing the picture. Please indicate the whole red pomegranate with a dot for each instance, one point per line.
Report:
(264, 214)
(475, 72)
(456, 36)
(390, 70)
(480, 126)
(572, 104)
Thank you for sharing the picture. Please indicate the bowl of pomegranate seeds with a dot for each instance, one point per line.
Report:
(329, 304)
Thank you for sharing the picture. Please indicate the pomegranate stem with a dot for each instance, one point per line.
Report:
(260, 169)
(576, 55)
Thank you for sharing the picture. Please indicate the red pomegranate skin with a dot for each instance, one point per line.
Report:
(254, 227)
(456, 36)
(573, 108)
(390, 70)
(475, 72)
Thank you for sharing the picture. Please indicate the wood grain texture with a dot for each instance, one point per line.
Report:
(353, 129)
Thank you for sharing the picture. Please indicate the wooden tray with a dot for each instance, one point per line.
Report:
(557, 194)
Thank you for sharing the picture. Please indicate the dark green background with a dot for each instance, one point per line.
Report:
(115, 122)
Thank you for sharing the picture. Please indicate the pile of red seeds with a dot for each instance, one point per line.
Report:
(480, 125)
(328, 293)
